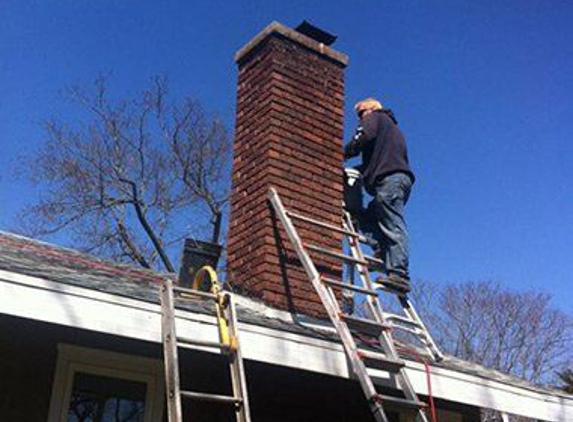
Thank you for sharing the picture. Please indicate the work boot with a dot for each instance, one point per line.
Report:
(396, 282)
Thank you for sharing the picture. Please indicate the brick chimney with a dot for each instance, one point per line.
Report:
(288, 135)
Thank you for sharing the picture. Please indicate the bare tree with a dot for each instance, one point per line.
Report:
(130, 178)
(518, 333)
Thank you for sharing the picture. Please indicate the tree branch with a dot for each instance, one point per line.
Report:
(147, 227)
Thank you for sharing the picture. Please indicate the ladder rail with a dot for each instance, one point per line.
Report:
(411, 312)
(324, 295)
(237, 368)
(170, 354)
(228, 345)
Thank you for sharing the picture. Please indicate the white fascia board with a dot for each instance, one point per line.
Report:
(44, 300)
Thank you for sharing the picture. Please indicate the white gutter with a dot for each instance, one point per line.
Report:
(57, 303)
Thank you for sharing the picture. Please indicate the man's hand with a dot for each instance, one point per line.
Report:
(354, 147)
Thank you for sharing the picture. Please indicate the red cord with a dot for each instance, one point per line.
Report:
(433, 413)
(430, 395)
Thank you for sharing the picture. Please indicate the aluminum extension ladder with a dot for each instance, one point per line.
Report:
(378, 325)
(228, 344)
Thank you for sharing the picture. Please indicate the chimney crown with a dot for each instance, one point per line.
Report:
(276, 28)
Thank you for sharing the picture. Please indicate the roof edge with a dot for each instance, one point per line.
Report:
(140, 320)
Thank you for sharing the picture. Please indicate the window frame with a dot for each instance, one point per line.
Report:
(72, 359)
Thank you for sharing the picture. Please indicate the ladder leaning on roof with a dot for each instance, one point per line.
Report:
(205, 286)
(379, 323)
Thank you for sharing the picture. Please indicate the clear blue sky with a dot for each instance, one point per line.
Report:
(482, 89)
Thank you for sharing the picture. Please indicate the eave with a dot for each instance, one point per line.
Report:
(48, 301)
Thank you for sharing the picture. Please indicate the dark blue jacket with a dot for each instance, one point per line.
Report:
(383, 148)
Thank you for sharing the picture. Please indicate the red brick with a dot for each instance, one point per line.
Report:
(288, 135)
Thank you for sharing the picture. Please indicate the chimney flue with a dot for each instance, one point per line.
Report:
(316, 33)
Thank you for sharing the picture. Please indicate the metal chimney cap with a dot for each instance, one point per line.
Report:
(316, 33)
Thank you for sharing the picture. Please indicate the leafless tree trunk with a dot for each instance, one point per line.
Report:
(129, 179)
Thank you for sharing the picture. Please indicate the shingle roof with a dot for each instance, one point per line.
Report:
(31, 257)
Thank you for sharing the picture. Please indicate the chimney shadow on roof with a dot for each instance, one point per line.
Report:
(284, 260)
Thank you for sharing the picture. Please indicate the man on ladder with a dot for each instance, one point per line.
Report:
(388, 177)
(367, 338)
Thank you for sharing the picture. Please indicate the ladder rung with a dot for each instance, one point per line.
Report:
(401, 319)
(329, 226)
(373, 260)
(419, 333)
(398, 401)
(347, 286)
(190, 292)
(363, 325)
(335, 254)
(194, 342)
(380, 361)
(211, 397)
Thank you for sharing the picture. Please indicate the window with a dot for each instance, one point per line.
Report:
(100, 386)
(103, 399)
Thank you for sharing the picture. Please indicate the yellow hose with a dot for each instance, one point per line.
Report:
(206, 280)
